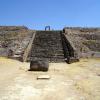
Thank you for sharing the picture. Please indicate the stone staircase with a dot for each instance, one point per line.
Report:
(47, 45)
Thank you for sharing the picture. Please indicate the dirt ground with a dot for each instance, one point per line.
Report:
(77, 81)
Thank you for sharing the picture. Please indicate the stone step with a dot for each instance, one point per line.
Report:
(49, 59)
(47, 45)
(52, 50)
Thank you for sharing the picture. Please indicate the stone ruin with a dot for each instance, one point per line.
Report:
(42, 47)
(50, 46)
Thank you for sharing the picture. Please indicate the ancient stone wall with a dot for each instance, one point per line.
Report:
(86, 40)
(70, 53)
(14, 40)
(52, 46)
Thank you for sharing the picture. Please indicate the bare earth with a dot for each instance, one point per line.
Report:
(77, 81)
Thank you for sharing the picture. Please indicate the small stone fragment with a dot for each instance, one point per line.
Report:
(43, 77)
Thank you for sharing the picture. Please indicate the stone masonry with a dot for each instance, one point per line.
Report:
(47, 45)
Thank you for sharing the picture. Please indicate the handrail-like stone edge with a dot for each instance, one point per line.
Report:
(72, 45)
(28, 48)
(67, 37)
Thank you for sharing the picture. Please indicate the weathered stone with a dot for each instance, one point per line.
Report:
(39, 65)
(52, 46)
(48, 45)
(43, 77)
(10, 53)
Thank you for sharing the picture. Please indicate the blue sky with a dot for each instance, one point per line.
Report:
(36, 14)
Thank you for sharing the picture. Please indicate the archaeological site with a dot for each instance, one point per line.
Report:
(39, 47)
(49, 64)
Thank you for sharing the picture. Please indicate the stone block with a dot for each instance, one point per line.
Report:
(39, 65)
(43, 77)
